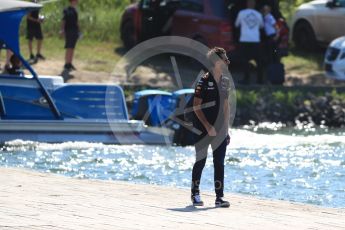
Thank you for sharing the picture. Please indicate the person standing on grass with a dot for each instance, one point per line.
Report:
(212, 116)
(34, 30)
(70, 30)
(250, 22)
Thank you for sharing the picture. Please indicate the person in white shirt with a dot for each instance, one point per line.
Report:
(250, 22)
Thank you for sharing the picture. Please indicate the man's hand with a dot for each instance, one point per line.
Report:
(212, 131)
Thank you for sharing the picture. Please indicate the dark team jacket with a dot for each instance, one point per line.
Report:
(213, 96)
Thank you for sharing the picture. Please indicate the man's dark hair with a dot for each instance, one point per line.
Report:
(251, 3)
(15, 61)
(215, 53)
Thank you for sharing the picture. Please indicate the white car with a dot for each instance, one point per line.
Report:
(319, 21)
(335, 59)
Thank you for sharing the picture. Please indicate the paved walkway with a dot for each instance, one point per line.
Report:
(31, 200)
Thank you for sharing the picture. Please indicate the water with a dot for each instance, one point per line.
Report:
(302, 165)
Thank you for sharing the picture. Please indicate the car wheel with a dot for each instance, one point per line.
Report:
(128, 35)
(304, 36)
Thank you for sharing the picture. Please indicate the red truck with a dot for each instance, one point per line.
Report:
(208, 21)
(203, 20)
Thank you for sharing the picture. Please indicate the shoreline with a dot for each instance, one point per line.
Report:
(289, 105)
(33, 200)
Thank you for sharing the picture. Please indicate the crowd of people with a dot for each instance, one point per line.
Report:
(69, 30)
(259, 35)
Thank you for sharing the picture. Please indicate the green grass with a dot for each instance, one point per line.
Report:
(98, 20)
(338, 96)
(97, 55)
(246, 97)
(302, 62)
(102, 55)
(286, 96)
(278, 104)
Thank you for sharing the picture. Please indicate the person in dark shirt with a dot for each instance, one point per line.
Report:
(16, 66)
(70, 30)
(34, 30)
(212, 112)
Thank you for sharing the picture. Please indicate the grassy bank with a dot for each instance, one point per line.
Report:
(319, 106)
(286, 105)
(102, 55)
(98, 20)
(98, 56)
(301, 62)
(287, 95)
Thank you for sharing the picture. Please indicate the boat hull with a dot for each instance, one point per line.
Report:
(79, 131)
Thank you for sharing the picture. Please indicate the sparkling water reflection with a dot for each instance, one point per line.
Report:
(280, 165)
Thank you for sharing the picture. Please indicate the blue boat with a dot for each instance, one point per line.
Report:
(45, 109)
(154, 107)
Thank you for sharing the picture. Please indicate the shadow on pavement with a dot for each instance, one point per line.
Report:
(191, 208)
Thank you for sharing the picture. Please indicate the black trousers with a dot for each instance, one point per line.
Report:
(219, 151)
(34, 32)
(71, 38)
(251, 51)
(271, 50)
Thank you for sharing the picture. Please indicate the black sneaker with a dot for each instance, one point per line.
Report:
(40, 56)
(72, 67)
(196, 200)
(222, 203)
(32, 59)
(67, 66)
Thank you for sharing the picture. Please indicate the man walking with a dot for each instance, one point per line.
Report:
(212, 112)
(70, 30)
(250, 22)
